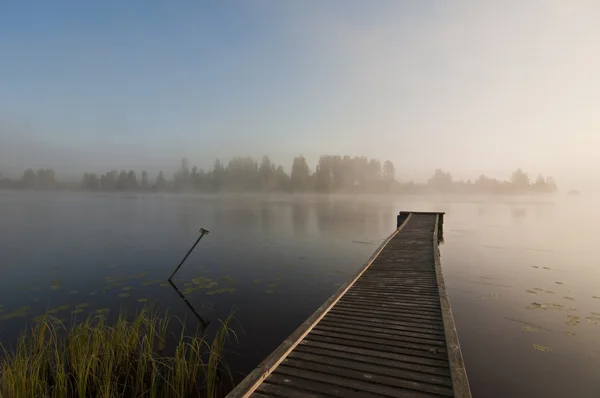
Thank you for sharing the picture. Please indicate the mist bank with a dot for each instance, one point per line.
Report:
(332, 174)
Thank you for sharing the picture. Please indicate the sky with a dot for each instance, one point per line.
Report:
(466, 86)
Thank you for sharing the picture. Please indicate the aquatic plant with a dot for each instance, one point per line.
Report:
(123, 358)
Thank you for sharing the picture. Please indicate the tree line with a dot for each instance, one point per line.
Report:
(332, 174)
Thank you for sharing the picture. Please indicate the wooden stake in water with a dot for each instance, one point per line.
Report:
(202, 233)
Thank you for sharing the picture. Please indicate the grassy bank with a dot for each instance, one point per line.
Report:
(124, 358)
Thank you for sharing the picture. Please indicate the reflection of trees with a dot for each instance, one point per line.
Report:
(265, 215)
(299, 218)
(518, 212)
(238, 215)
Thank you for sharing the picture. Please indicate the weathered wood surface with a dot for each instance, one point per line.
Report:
(389, 332)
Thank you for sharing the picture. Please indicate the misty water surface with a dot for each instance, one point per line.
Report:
(522, 273)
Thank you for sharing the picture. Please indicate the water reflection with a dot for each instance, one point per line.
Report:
(266, 209)
(299, 219)
(190, 306)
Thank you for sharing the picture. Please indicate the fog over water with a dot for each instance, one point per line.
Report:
(295, 132)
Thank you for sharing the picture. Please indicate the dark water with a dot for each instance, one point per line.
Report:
(522, 273)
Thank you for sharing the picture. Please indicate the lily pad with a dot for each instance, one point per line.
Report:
(74, 292)
(102, 310)
(257, 280)
(143, 300)
(56, 282)
(529, 329)
(77, 311)
(269, 291)
(112, 279)
(593, 319)
(572, 320)
(230, 279)
(542, 348)
(93, 293)
(204, 283)
(189, 290)
(126, 288)
(58, 309)
(54, 287)
(148, 283)
(82, 305)
(137, 276)
(123, 295)
(18, 313)
(271, 285)
(223, 290)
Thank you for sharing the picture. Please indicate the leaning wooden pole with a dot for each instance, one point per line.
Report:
(202, 233)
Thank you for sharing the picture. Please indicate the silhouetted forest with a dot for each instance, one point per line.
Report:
(332, 174)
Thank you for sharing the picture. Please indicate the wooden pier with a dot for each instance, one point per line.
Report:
(388, 332)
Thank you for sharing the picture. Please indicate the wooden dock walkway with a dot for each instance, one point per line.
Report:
(388, 332)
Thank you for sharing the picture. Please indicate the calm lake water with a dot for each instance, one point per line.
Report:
(522, 273)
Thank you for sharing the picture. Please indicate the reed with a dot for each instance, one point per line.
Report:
(126, 358)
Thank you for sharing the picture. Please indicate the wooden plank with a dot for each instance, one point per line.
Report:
(295, 357)
(408, 309)
(360, 386)
(394, 380)
(377, 344)
(406, 315)
(388, 336)
(391, 346)
(376, 321)
(374, 353)
(385, 325)
(253, 380)
(297, 387)
(382, 329)
(434, 370)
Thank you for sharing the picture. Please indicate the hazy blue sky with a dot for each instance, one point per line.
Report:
(466, 86)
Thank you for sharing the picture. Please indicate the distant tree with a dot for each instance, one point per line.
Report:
(45, 179)
(300, 176)
(374, 174)
(28, 180)
(266, 174)
(144, 182)
(90, 181)
(440, 180)
(520, 180)
(282, 179)
(160, 181)
(324, 174)
(389, 171)
(218, 175)
(132, 183)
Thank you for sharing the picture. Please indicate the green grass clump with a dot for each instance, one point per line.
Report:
(126, 358)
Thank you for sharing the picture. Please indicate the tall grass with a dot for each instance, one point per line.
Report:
(126, 358)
